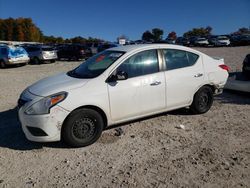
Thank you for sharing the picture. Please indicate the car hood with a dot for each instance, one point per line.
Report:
(54, 84)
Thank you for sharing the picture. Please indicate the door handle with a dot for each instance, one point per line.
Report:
(198, 75)
(155, 83)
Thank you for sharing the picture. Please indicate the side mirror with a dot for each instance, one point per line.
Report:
(111, 78)
(121, 75)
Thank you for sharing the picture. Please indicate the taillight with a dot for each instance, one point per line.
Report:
(225, 67)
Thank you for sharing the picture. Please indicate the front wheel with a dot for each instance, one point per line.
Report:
(2, 64)
(203, 100)
(82, 128)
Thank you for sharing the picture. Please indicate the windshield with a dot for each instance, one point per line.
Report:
(96, 65)
(201, 39)
(16, 52)
(222, 38)
(47, 49)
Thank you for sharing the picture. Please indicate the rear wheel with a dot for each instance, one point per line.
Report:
(82, 128)
(203, 100)
(36, 61)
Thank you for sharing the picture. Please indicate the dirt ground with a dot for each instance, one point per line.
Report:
(212, 151)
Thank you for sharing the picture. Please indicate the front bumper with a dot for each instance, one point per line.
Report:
(47, 57)
(49, 124)
(17, 61)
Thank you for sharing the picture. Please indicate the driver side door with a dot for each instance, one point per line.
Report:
(143, 92)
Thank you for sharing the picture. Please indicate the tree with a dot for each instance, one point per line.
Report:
(199, 32)
(209, 29)
(244, 30)
(9, 28)
(158, 33)
(172, 35)
(24, 29)
(78, 39)
(147, 36)
(2, 32)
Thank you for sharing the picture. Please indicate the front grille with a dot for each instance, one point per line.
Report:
(36, 131)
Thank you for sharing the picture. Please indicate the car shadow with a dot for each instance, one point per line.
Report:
(234, 97)
(14, 66)
(182, 111)
(12, 136)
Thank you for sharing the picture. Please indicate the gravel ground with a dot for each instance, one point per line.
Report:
(213, 149)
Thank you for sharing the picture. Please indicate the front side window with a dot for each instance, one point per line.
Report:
(142, 63)
(175, 59)
(96, 65)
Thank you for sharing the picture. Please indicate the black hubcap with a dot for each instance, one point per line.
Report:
(83, 128)
(203, 100)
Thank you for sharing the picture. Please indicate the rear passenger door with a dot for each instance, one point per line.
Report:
(184, 75)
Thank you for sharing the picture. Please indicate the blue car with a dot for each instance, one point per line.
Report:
(11, 55)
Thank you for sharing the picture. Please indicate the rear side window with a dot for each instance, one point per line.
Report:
(142, 63)
(176, 59)
(3, 51)
(32, 49)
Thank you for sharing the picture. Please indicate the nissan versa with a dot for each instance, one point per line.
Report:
(118, 85)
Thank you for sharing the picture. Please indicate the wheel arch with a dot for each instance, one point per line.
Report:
(213, 87)
(96, 108)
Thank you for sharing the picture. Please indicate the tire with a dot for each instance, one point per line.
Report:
(203, 100)
(35, 61)
(82, 128)
(2, 64)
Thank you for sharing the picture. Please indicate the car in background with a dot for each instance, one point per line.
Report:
(170, 41)
(12, 55)
(200, 41)
(246, 66)
(240, 40)
(223, 40)
(106, 46)
(235, 40)
(119, 85)
(213, 41)
(245, 40)
(93, 47)
(73, 52)
(41, 53)
(182, 41)
(142, 42)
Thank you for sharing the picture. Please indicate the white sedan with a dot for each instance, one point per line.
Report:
(119, 85)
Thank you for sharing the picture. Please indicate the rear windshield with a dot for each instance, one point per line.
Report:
(16, 52)
(223, 38)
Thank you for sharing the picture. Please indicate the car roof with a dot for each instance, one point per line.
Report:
(138, 47)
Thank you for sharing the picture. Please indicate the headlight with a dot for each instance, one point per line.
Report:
(43, 106)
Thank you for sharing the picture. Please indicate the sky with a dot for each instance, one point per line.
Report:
(109, 19)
